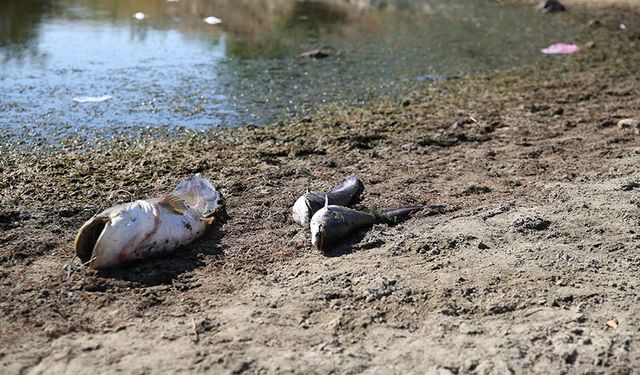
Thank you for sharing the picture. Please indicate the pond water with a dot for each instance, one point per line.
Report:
(158, 63)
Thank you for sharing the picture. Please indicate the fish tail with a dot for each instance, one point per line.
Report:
(358, 194)
(396, 215)
(353, 186)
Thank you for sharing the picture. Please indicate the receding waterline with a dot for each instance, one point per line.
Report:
(77, 64)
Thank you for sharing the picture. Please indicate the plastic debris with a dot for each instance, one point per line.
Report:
(211, 20)
(139, 16)
(561, 49)
(91, 99)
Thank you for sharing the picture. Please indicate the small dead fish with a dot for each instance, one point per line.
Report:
(318, 53)
(312, 201)
(332, 223)
(147, 227)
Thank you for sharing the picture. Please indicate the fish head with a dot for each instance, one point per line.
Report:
(302, 211)
(318, 225)
(111, 237)
(318, 236)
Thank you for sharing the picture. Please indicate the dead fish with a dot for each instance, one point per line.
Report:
(312, 201)
(318, 53)
(332, 223)
(144, 228)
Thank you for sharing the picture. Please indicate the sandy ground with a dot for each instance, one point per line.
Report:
(533, 269)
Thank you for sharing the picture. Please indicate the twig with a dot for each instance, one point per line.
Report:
(69, 265)
(532, 312)
(71, 272)
(195, 329)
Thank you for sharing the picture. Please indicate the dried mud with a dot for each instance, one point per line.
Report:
(533, 269)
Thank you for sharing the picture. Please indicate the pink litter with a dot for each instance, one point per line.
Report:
(561, 48)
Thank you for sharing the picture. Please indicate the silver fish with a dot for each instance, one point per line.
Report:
(143, 228)
(331, 223)
(312, 201)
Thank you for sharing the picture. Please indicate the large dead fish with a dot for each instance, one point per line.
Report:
(143, 228)
(331, 223)
(341, 195)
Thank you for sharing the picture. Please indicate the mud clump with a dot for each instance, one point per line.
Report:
(531, 223)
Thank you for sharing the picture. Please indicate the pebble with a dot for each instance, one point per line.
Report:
(89, 346)
(483, 246)
(550, 6)
(629, 123)
(594, 22)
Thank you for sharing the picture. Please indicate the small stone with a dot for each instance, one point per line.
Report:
(551, 6)
(89, 346)
(590, 44)
(594, 22)
(629, 123)
(483, 246)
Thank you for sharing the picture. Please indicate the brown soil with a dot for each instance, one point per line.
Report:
(533, 269)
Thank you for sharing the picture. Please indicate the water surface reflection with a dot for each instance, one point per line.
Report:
(172, 68)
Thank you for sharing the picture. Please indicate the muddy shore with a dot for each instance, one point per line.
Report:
(533, 269)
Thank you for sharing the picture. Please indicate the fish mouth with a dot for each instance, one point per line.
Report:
(302, 211)
(88, 236)
(320, 240)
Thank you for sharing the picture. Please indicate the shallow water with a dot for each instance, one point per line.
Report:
(173, 69)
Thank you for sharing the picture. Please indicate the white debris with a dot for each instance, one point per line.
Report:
(91, 99)
(211, 20)
(139, 16)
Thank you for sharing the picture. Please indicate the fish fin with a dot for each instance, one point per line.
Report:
(326, 201)
(174, 203)
(200, 195)
(396, 215)
(209, 220)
